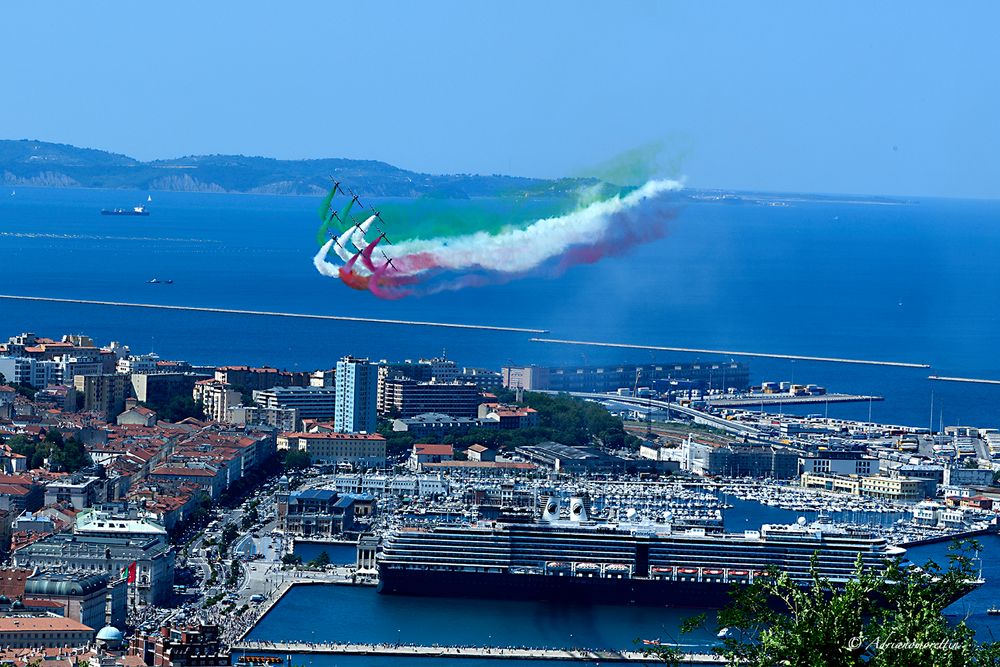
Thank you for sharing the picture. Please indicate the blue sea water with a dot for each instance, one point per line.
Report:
(339, 554)
(914, 281)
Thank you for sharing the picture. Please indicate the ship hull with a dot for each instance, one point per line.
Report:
(595, 590)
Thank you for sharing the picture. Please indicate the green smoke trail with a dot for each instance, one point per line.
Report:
(345, 222)
(326, 215)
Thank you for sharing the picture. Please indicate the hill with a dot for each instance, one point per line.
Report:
(39, 163)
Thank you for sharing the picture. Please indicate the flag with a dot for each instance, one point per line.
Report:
(128, 572)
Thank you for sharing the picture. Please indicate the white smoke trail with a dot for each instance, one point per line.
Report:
(324, 267)
(358, 237)
(518, 250)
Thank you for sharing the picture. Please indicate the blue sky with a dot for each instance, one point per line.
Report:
(885, 98)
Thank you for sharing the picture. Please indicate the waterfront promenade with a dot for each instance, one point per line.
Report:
(496, 652)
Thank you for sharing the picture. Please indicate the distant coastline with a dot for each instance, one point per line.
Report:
(43, 164)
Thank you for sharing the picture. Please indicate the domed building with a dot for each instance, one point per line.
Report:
(110, 638)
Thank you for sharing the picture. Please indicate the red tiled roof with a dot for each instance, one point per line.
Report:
(183, 472)
(434, 450)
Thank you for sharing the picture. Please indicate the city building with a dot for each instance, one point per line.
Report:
(568, 459)
(77, 490)
(509, 417)
(85, 598)
(283, 419)
(316, 512)
(136, 415)
(875, 486)
(839, 462)
(961, 476)
(104, 394)
(359, 450)
(599, 379)
(37, 373)
(250, 379)
(106, 555)
(215, 398)
(405, 398)
(480, 453)
(356, 396)
(422, 454)
(43, 630)
(157, 389)
(437, 424)
(195, 645)
(309, 402)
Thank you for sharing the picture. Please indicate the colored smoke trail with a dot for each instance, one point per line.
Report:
(547, 246)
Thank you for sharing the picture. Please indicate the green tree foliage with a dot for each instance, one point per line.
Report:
(63, 455)
(322, 560)
(891, 619)
(291, 559)
(296, 459)
(178, 408)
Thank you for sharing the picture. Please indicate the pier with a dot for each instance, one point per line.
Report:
(944, 378)
(731, 353)
(787, 399)
(267, 313)
(499, 653)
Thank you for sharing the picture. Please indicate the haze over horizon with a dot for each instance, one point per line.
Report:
(882, 100)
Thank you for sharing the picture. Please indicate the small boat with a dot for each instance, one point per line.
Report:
(993, 611)
(135, 210)
(157, 281)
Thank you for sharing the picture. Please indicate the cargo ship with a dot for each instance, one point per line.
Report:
(135, 210)
(579, 560)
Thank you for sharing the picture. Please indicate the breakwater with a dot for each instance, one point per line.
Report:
(732, 353)
(268, 313)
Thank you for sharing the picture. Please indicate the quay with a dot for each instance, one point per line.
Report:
(776, 399)
(499, 653)
(267, 313)
(731, 353)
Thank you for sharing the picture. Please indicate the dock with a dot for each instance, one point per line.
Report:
(787, 399)
(480, 652)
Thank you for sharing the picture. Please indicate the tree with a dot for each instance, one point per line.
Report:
(178, 408)
(291, 559)
(888, 619)
(322, 560)
(296, 459)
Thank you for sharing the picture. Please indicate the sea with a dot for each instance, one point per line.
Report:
(913, 280)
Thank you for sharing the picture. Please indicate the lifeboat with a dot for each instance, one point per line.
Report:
(588, 567)
(713, 573)
(761, 573)
(616, 567)
(556, 565)
(662, 570)
(739, 573)
(688, 570)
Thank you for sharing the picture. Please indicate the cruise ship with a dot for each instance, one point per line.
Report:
(644, 564)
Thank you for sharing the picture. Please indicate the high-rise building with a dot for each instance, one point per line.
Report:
(357, 387)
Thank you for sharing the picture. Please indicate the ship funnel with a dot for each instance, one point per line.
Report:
(550, 510)
(577, 509)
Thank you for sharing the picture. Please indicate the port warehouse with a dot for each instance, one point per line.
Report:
(598, 379)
